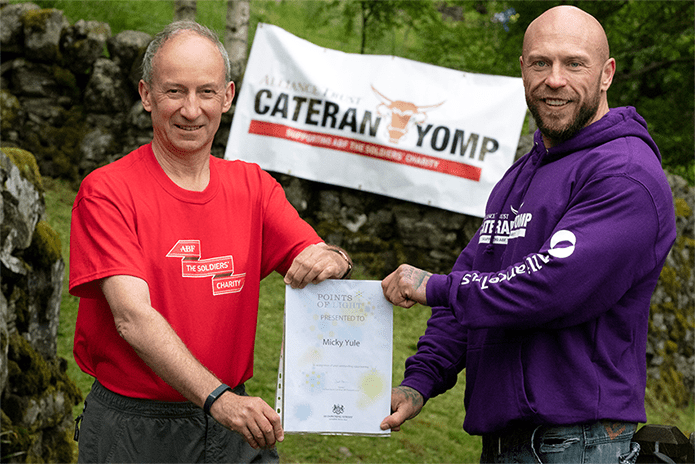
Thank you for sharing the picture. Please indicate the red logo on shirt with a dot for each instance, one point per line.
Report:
(221, 268)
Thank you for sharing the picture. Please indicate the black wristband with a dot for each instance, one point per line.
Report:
(213, 397)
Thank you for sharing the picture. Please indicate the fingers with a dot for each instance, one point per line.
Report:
(315, 264)
(251, 417)
(406, 286)
(264, 433)
(406, 403)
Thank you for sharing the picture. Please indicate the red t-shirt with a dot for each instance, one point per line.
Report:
(202, 254)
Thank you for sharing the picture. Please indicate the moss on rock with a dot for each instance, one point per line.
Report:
(36, 19)
(676, 320)
(16, 441)
(26, 162)
(9, 110)
(31, 376)
(45, 248)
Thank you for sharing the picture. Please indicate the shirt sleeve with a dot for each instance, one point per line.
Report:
(603, 245)
(103, 242)
(285, 234)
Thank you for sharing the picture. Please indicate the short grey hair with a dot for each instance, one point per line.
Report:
(173, 29)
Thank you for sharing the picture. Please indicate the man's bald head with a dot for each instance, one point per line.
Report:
(567, 70)
(566, 21)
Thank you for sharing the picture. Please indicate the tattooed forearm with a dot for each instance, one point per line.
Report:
(413, 396)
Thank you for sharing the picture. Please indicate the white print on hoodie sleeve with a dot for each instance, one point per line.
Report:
(602, 246)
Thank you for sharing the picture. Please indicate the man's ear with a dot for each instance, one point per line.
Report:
(607, 74)
(229, 96)
(144, 91)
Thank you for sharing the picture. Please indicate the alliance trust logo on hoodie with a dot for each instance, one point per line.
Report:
(562, 245)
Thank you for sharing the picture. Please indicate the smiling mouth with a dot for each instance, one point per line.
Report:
(555, 102)
(188, 128)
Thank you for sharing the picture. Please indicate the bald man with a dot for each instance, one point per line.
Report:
(547, 307)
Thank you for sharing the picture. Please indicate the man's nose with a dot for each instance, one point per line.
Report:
(556, 78)
(191, 106)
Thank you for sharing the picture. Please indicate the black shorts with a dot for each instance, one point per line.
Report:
(117, 428)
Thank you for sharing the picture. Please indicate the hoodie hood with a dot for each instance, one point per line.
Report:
(617, 123)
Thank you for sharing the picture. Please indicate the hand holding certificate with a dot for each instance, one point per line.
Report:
(335, 371)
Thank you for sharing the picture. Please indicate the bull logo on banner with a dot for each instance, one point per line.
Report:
(403, 115)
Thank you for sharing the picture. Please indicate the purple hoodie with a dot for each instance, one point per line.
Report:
(547, 307)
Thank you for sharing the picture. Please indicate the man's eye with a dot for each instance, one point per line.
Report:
(540, 64)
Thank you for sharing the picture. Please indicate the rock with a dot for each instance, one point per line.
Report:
(82, 43)
(23, 204)
(107, 91)
(126, 50)
(36, 394)
(30, 79)
(42, 31)
(11, 29)
(96, 146)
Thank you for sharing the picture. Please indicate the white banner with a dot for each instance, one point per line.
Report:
(382, 124)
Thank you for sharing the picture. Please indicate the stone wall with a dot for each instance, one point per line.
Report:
(68, 94)
(37, 396)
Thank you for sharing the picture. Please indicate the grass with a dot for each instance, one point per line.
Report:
(434, 436)
(304, 19)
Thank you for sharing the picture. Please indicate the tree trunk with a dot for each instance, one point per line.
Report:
(184, 10)
(236, 37)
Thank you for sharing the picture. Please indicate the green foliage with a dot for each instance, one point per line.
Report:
(149, 16)
(654, 45)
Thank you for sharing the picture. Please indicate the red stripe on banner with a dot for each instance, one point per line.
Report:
(371, 150)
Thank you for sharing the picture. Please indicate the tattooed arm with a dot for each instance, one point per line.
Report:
(406, 286)
(406, 403)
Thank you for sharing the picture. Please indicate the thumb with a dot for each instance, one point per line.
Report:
(392, 422)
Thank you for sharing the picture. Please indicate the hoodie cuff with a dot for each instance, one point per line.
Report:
(437, 291)
(422, 384)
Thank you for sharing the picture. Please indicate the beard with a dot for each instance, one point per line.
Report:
(560, 134)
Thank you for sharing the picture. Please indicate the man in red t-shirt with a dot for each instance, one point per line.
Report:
(168, 248)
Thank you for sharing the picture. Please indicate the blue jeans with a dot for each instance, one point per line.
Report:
(600, 442)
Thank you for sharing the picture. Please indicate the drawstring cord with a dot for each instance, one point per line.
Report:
(78, 419)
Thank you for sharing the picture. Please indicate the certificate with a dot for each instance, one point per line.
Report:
(335, 367)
